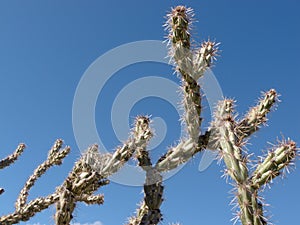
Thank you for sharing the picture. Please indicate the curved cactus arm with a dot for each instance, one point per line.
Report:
(178, 24)
(107, 164)
(55, 157)
(13, 157)
(277, 159)
(29, 209)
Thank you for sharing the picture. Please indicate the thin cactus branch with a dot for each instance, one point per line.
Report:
(55, 157)
(13, 157)
(30, 209)
(257, 115)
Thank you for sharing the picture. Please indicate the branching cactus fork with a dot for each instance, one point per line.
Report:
(226, 135)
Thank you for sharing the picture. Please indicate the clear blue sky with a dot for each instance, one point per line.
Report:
(46, 46)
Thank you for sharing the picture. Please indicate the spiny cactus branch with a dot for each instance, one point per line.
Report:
(29, 209)
(91, 199)
(107, 164)
(204, 58)
(13, 157)
(226, 134)
(55, 157)
(257, 115)
(228, 139)
(276, 160)
(149, 210)
(81, 182)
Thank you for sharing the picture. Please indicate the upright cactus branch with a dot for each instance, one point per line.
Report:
(191, 66)
(236, 159)
(149, 210)
(179, 22)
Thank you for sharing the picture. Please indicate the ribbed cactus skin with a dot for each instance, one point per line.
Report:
(226, 135)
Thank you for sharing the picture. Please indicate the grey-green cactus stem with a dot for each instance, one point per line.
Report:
(204, 57)
(228, 140)
(226, 134)
(179, 36)
(234, 161)
(178, 23)
(257, 115)
(275, 161)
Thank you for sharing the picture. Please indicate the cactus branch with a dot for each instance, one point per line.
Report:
(257, 115)
(55, 157)
(276, 160)
(29, 209)
(227, 135)
(13, 157)
(149, 210)
(81, 182)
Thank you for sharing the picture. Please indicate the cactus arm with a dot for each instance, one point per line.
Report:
(91, 199)
(257, 115)
(81, 182)
(232, 156)
(29, 209)
(276, 160)
(179, 23)
(13, 157)
(149, 210)
(205, 55)
(55, 157)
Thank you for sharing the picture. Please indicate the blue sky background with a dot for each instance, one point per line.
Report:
(45, 47)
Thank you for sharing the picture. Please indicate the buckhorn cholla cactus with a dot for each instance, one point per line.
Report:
(227, 135)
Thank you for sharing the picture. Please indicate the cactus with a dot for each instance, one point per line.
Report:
(227, 135)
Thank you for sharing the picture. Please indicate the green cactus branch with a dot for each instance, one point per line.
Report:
(226, 135)
(257, 115)
(236, 159)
